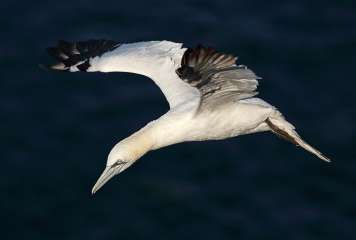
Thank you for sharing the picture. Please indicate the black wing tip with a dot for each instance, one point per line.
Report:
(54, 67)
(78, 53)
(206, 57)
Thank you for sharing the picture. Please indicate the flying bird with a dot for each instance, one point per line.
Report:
(210, 96)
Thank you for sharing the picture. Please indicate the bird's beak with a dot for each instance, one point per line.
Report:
(109, 172)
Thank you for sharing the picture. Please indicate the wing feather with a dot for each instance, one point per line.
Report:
(216, 75)
(156, 60)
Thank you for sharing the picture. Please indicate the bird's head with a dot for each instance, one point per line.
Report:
(118, 160)
(122, 156)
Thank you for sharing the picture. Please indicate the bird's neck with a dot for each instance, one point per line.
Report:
(134, 146)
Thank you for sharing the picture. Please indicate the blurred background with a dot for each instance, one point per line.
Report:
(57, 128)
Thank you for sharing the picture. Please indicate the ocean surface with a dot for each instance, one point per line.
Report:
(57, 128)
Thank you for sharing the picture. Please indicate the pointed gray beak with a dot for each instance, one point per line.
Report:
(108, 173)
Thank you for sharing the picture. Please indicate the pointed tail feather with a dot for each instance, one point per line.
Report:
(285, 130)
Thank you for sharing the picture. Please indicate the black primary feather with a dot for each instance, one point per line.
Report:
(216, 75)
(71, 53)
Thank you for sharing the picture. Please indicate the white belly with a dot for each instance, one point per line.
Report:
(232, 120)
(227, 121)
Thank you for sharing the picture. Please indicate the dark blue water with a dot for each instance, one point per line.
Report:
(57, 129)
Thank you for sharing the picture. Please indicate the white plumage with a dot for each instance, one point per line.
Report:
(210, 97)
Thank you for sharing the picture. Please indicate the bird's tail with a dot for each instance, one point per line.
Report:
(76, 56)
(285, 130)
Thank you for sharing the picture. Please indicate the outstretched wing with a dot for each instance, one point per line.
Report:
(76, 56)
(157, 60)
(216, 76)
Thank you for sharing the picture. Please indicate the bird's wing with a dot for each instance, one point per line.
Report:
(216, 76)
(76, 56)
(157, 60)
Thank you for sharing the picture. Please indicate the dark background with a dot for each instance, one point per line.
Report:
(57, 128)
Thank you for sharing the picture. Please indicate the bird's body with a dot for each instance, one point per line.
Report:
(210, 97)
(230, 120)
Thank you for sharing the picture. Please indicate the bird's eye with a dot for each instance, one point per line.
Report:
(119, 163)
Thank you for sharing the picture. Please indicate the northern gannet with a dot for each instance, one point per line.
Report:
(210, 97)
